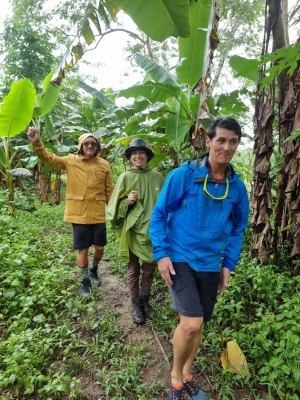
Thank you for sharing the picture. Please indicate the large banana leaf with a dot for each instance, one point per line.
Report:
(91, 15)
(105, 101)
(46, 101)
(17, 108)
(177, 124)
(193, 50)
(156, 72)
(159, 19)
(150, 90)
(245, 67)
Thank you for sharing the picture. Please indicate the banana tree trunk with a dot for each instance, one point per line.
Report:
(198, 136)
(55, 187)
(42, 185)
(261, 200)
(287, 212)
(288, 209)
(11, 195)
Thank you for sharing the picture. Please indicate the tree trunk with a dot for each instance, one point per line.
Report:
(288, 188)
(261, 200)
(287, 212)
(42, 185)
(55, 188)
(11, 196)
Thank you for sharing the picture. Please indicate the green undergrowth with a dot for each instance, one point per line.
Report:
(261, 311)
(52, 343)
(51, 340)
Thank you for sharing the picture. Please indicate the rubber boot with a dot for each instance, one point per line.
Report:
(137, 311)
(95, 280)
(148, 310)
(85, 289)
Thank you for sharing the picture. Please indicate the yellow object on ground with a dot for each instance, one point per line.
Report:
(233, 359)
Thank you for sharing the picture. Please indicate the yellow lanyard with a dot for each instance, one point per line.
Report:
(205, 191)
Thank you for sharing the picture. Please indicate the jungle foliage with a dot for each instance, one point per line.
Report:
(40, 351)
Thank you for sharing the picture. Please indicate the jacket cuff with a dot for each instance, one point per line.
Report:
(38, 145)
(228, 264)
(159, 255)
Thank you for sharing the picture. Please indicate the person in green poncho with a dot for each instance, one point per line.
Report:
(129, 211)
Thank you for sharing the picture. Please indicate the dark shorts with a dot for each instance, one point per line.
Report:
(84, 236)
(193, 293)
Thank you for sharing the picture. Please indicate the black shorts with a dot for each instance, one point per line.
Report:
(193, 293)
(84, 236)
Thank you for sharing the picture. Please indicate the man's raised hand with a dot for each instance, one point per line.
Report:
(33, 135)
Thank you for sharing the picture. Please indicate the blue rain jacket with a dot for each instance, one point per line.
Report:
(187, 225)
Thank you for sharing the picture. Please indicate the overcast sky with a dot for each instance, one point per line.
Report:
(112, 69)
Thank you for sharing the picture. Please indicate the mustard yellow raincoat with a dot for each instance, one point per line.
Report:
(89, 183)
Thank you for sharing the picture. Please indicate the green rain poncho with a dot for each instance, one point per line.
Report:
(132, 223)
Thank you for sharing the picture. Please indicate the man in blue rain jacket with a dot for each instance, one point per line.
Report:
(197, 228)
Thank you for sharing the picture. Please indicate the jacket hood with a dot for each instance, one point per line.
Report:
(140, 170)
(203, 164)
(82, 138)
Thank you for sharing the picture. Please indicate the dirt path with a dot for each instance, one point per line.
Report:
(158, 367)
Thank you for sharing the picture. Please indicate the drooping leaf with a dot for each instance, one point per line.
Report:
(158, 91)
(112, 8)
(156, 72)
(17, 108)
(46, 101)
(193, 49)
(91, 14)
(230, 103)
(21, 172)
(78, 51)
(285, 58)
(30, 162)
(159, 19)
(104, 15)
(49, 126)
(96, 93)
(177, 124)
(67, 61)
(245, 67)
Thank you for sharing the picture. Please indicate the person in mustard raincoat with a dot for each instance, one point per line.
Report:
(89, 188)
(129, 211)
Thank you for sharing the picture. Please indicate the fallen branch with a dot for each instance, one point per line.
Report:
(209, 383)
(160, 345)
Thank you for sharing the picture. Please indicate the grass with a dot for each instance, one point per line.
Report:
(52, 341)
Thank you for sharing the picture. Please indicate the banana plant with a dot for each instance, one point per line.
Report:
(15, 114)
(18, 108)
(183, 96)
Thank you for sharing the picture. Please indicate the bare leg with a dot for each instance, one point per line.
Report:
(187, 368)
(98, 252)
(186, 341)
(82, 258)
